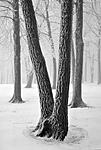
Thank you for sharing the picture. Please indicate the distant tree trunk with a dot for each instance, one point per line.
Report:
(85, 73)
(77, 90)
(52, 45)
(54, 73)
(73, 61)
(17, 73)
(92, 69)
(57, 125)
(99, 63)
(38, 62)
(27, 65)
(30, 79)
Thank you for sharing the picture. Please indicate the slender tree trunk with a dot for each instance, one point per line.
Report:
(38, 62)
(52, 45)
(77, 90)
(73, 61)
(30, 79)
(92, 69)
(27, 65)
(17, 73)
(57, 125)
(99, 63)
(85, 73)
(54, 73)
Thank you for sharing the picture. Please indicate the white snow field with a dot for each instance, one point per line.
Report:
(17, 121)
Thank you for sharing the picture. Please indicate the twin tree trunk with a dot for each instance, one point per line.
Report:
(17, 73)
(77, 89)
(53, 121)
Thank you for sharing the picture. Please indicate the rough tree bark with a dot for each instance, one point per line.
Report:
(17, 73)
(38, 62)
(57, 125)
(77, 90)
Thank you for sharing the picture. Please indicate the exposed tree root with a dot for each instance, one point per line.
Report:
(39, 126)
(52, 129)
(45, 130)
(77, 103)
(27, 86)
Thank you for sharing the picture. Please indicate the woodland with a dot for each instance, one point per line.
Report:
(49, 47)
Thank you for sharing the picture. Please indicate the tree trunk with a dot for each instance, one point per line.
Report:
(73, 61)
(30, 79)
(85, 73)
(77, 90)
(57, 125)
(17, 73)
(92, 69)
(54, 73)
(38, 62)
(52, 45)
(99, 63)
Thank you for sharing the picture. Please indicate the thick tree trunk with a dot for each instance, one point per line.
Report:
(30, 79)
(99, 63)
(52, 45)
(38, 61)
(17, 73)
(77, 90)
(57, 125)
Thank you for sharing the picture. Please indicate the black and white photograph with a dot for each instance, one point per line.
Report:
(50, 74)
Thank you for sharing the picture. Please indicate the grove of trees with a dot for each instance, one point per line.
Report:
(60, 26)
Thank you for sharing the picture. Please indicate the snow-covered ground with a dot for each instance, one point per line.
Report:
(17, 120)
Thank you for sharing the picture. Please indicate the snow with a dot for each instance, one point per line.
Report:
(17, 121)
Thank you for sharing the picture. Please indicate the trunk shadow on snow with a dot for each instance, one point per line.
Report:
(76, 135)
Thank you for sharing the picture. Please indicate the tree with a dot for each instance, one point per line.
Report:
(17, 73)
(55, 121)
(95, 28)
(38, 61)
(42, 11)
(77, 89)
(96, 8)
(52, 44)
(57, 125)
(72, 61)
(92, 69)
(30, 79)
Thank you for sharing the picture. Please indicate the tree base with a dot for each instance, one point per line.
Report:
(77, 103)
(51, 128)
(27, 86)
(38, 127)
(53, 87)
(16, 100)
